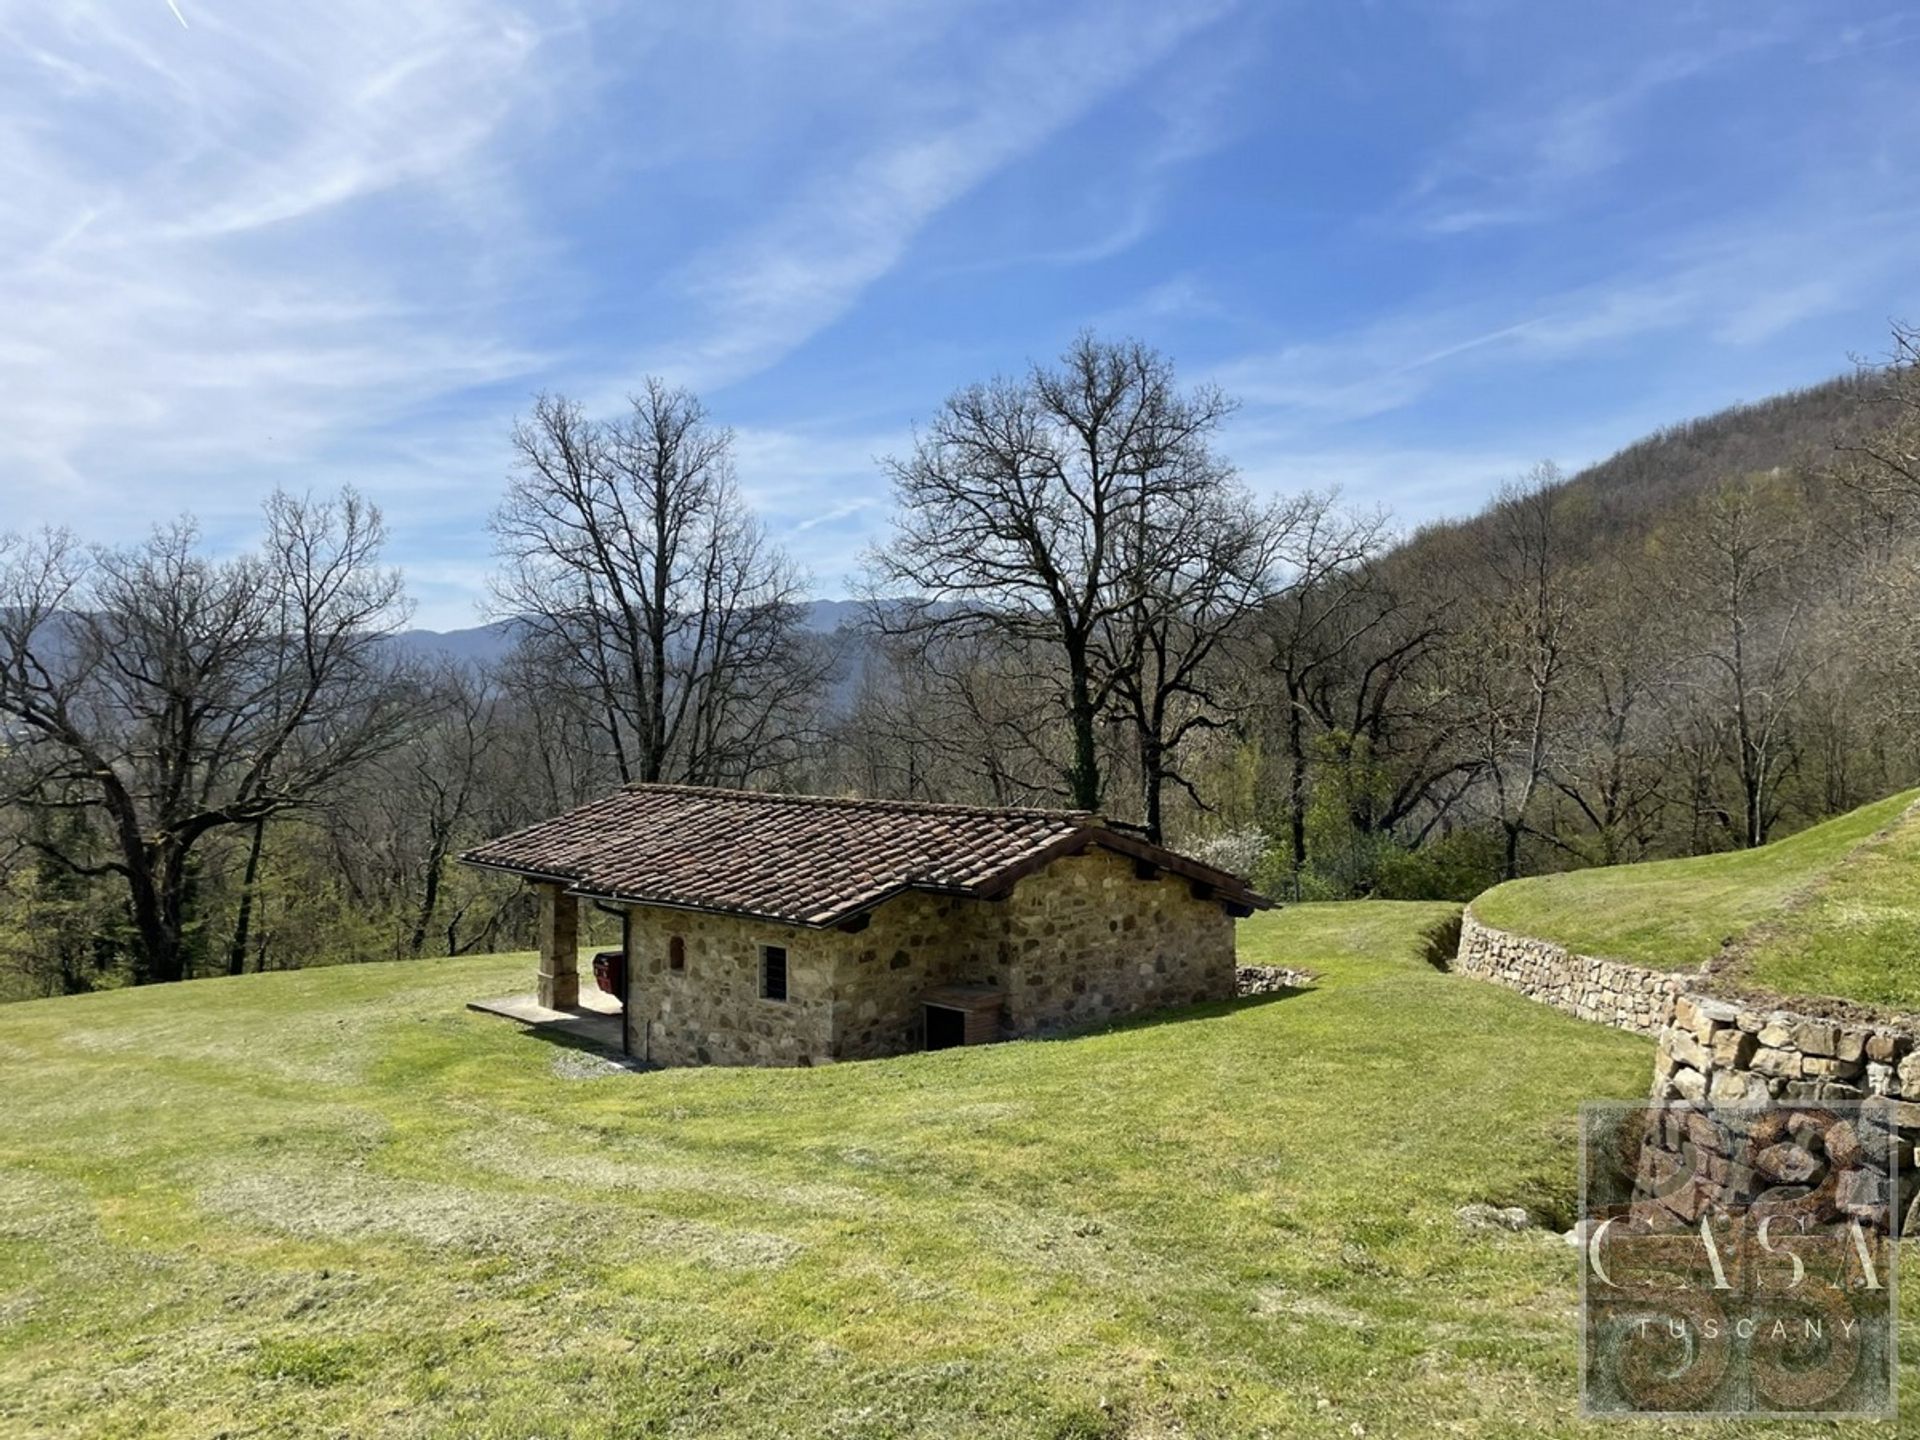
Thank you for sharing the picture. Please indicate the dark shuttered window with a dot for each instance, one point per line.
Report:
(773, 972)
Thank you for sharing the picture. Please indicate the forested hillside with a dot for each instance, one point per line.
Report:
(218, 765)
(1796, 429)
(1696, 644)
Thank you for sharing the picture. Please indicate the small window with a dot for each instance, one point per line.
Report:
(677, 953)
(773, 972)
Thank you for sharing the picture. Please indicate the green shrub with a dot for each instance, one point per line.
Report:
(1455, 867)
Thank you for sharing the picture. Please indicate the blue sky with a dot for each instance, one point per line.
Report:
(248, 245)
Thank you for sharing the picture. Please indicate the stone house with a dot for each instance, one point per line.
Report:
(793, 929)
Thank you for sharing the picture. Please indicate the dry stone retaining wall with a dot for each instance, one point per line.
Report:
(1718, 1053)
(1710, 1049)
(1272, 979)
(1715, 1052)
(1610, 992)
(1727, 1053)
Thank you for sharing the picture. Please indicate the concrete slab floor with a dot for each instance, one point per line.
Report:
(595, 1021)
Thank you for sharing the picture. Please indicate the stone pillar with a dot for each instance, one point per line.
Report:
(559, 949)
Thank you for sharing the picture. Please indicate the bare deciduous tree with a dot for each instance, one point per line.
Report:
(1734, 573)
(1610, 770)
(1328, 611)
(409, 810)
(172, 696)
(1014, 512)
(655, 596)
(1885, 464)
(1516, 648)
(1197, 563)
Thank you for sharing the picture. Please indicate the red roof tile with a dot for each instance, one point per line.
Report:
(805, 859)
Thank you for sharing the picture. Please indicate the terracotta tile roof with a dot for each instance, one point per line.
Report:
(805, 859)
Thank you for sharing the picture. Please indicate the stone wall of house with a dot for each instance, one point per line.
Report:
(1610, 992)
(1087, 940)
(1083, 941)
(912, 944)
(711, 1012)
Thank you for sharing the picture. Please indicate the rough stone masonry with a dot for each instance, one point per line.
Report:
(1608, 992)
(1712, 1051)
(1084, 941)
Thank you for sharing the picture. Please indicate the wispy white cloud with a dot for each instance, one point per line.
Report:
(1521, 160)
(845, 510)
(1418, 482)
(1381, 367)
(1194, 112)
(1865, 37)
(277, 246)
(1182, 297)
(766, 292)
(1415, 483)
(1737, 285)
(821, 490)
(247, 236)
(281, 245)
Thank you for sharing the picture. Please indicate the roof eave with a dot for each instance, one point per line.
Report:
(525, 872)
(821, 920)
(1230, 887)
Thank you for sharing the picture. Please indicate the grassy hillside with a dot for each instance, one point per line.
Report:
(1678, 914)
(1855, 936)
(334, 1202)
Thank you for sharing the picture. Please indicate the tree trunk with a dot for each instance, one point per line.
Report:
(1084, 776)
(243, 922)
(1296, 787)
(430, 894)
(170, 953)
(1153, 780)
(155, 905)
(656, 697)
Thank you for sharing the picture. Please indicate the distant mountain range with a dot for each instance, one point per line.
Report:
(485, 644)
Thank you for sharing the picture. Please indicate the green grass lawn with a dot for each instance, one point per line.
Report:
(1677, 914)
(1857, 935)
(336, 1203)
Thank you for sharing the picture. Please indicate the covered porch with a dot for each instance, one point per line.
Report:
(559, 1004)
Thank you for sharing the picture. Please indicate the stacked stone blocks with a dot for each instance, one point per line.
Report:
(1608, 992)
(1713, 1051)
